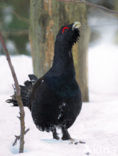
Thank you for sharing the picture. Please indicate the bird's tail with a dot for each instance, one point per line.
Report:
(25, 92)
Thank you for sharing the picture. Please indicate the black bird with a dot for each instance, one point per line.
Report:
(55, 98)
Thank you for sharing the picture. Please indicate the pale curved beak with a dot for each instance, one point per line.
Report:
(76, 25)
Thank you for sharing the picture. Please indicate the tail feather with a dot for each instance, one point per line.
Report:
(33, 78)
(25, 92)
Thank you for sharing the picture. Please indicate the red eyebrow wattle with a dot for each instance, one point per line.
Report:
(64, 29)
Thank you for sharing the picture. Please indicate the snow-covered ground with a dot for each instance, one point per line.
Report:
(97, 123)
(103, 59)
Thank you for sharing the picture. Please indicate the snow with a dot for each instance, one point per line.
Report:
(103, 73)
(97, 123)
(22, 65)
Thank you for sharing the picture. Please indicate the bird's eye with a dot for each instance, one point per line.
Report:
(64, 28)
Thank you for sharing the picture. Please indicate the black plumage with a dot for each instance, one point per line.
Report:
(55, 98)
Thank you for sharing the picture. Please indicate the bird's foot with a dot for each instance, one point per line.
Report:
(55, 134)
(56, 137)
(74, 141)
(66, 137)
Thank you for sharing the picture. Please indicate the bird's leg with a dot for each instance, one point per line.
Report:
(65, 134)
(54, 133)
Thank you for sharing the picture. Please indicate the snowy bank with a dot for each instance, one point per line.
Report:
(96, 124)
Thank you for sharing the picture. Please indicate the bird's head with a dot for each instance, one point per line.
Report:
(69, 34)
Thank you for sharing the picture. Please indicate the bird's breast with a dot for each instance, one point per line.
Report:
(63, 87)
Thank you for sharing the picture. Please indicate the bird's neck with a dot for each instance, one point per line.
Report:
(63, 60)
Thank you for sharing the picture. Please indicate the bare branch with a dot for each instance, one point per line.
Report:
(10, 64)
(15, 32)
(101, 7)
(18, 96)
(16, 139)
(20, 17)
(92, 5)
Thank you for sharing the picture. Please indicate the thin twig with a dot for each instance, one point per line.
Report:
(20, 17)
(18, 137)
(16, 32)
(101, 7)
(92, 5)
(24, 19)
